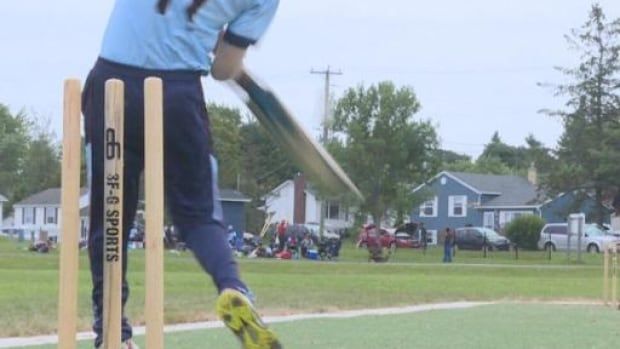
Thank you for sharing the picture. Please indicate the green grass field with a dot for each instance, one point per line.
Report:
(28, 291)
(506, 326)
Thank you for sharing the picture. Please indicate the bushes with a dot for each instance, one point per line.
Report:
(525, 231)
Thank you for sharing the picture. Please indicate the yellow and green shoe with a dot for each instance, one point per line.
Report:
(238, 314)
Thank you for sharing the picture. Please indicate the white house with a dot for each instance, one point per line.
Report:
(296, 202)
(41, 212)
(2, 201)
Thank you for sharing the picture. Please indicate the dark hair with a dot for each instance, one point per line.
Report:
(162, 5)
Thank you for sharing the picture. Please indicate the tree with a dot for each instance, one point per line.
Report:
(483, 165)
(265, 166)
(41, 165)
(386, 151)
(14, 139)
(513, 157)
(588, 147)
(448, 156)
(29, 156)
(225, 126)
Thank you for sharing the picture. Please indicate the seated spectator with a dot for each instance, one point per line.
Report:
(306, 244)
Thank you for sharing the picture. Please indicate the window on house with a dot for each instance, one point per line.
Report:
(429, 208)
(51, 215)
(457, 206)
(28, 215)
(333, 210)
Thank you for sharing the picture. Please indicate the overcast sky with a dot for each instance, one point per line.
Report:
(473, 64)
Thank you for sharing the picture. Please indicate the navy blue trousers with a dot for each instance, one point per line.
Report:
(190, 173)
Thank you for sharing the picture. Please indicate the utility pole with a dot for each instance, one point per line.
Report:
(327, 73)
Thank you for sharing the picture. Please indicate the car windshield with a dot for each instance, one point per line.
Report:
(491, 234)
(593, 230)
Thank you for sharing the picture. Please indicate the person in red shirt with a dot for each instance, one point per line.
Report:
(281, 231)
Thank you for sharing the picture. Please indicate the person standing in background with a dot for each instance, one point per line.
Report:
(448, 244)
(423, 237)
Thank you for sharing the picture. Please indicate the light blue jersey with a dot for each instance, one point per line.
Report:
(139, 35)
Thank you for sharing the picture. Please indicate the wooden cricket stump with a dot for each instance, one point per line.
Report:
(154, 202)
(113, 214)
(610, 275)
(70, 215)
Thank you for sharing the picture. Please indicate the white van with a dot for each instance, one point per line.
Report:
(555, 236)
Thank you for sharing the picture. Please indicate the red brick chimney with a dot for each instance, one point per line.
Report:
(299, 202)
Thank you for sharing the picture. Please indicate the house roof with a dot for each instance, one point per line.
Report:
(233, 195)
(510, 190)
(3, 199)
(51, 197)
(46, 197)
(278, 188)
(309, 188)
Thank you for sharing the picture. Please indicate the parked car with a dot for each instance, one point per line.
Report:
(475, 238)
(607, 228)
(554, 236)
(370, 235)
(404, 240)
(408, 236)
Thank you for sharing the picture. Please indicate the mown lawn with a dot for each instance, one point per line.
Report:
(28, 291)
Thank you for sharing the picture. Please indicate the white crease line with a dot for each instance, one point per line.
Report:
(17, 342)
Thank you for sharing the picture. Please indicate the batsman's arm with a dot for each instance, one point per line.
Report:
(228, 59)
(245, 30)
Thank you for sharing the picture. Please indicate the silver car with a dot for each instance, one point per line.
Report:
(554, 236)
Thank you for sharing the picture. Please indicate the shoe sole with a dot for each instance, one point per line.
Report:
(235, 310)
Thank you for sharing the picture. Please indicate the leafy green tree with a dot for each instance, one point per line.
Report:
(265, 166)
(483, 165)
(539, 155)
(588, 147)
(492, 165)
(513, 157)
(225, 126)
(41, 165)
(14, 137)
(29, 156)
(502, 159)
(448, 156)
(386, 151)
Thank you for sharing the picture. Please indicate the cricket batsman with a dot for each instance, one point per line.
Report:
(179, 41)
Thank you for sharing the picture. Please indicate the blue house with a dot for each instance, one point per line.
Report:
(458, 199)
